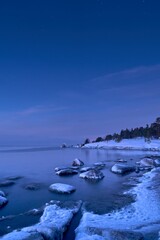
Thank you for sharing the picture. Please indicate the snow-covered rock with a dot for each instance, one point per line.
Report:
(93, 174)
(143, 215)
(52, 225)
(77, 162)
(3, 201)
(128, 144)
(2, 194)
(66, 171)
(122, 168)
(85, 169)
(99, 164)
(121, 160)
(62, 188)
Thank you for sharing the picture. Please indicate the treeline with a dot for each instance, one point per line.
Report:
(148, 132)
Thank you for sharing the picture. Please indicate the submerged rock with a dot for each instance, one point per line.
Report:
(32, 186)
(122, 168)
(77, 162)
(14, 178)
(66, 171)
(62, 188)
(93, 174)
(6, 183)
(100, 164)
(3, 201)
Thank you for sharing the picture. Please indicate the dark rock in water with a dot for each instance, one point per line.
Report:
(94, 174)
(66, 172)
(62, 188)
(77, 162)
(14, 178)
(57, 169)
(32, 186)
(121, 160)
(122, 168)
(3, 201)
(6, 183)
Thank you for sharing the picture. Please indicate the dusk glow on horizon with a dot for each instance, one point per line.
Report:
(72, 70)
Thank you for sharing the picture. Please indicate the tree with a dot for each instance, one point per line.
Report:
(99, 139)
(86, 141)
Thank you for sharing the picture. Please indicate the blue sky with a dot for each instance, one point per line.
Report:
(76, 69)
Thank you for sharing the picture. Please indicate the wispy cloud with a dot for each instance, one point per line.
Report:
(40, 109)
(139, 75)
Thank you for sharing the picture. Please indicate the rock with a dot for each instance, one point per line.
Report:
(2, 194)
(3, 201)
(121, 160)
(93, 174)
(52, 225)
(157, 162)
(99, 165)
(85, 169)
(77, 162)
(6, 183)
(122, 168)
(66, 168)
(32, 186)
(66, 172)
(14, 178)
(147, 162)
(62, 188)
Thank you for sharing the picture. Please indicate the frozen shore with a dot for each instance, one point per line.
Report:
(127, 144)
(140, 217)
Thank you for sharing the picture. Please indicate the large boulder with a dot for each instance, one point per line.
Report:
(77, 162)
(22, 235)
(62, 188)
(122, 168)
(93, 174)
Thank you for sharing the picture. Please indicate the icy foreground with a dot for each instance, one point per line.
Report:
(132, 144)
(140, 217)
(52, 225)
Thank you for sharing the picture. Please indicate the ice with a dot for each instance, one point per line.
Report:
(144, 213)
(62, 188)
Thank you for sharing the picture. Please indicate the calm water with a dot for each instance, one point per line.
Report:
(38, 167)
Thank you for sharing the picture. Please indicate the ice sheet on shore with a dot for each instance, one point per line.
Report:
(130, 144)
(144, 213)
(52, 225)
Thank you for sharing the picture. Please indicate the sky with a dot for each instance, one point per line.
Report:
(71, 70)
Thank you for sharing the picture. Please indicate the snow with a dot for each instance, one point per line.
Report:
(144, 213)
(122, 168)
(52, 225)
(132, 144)
(77, 162)
(94, 174)
(62, 188)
